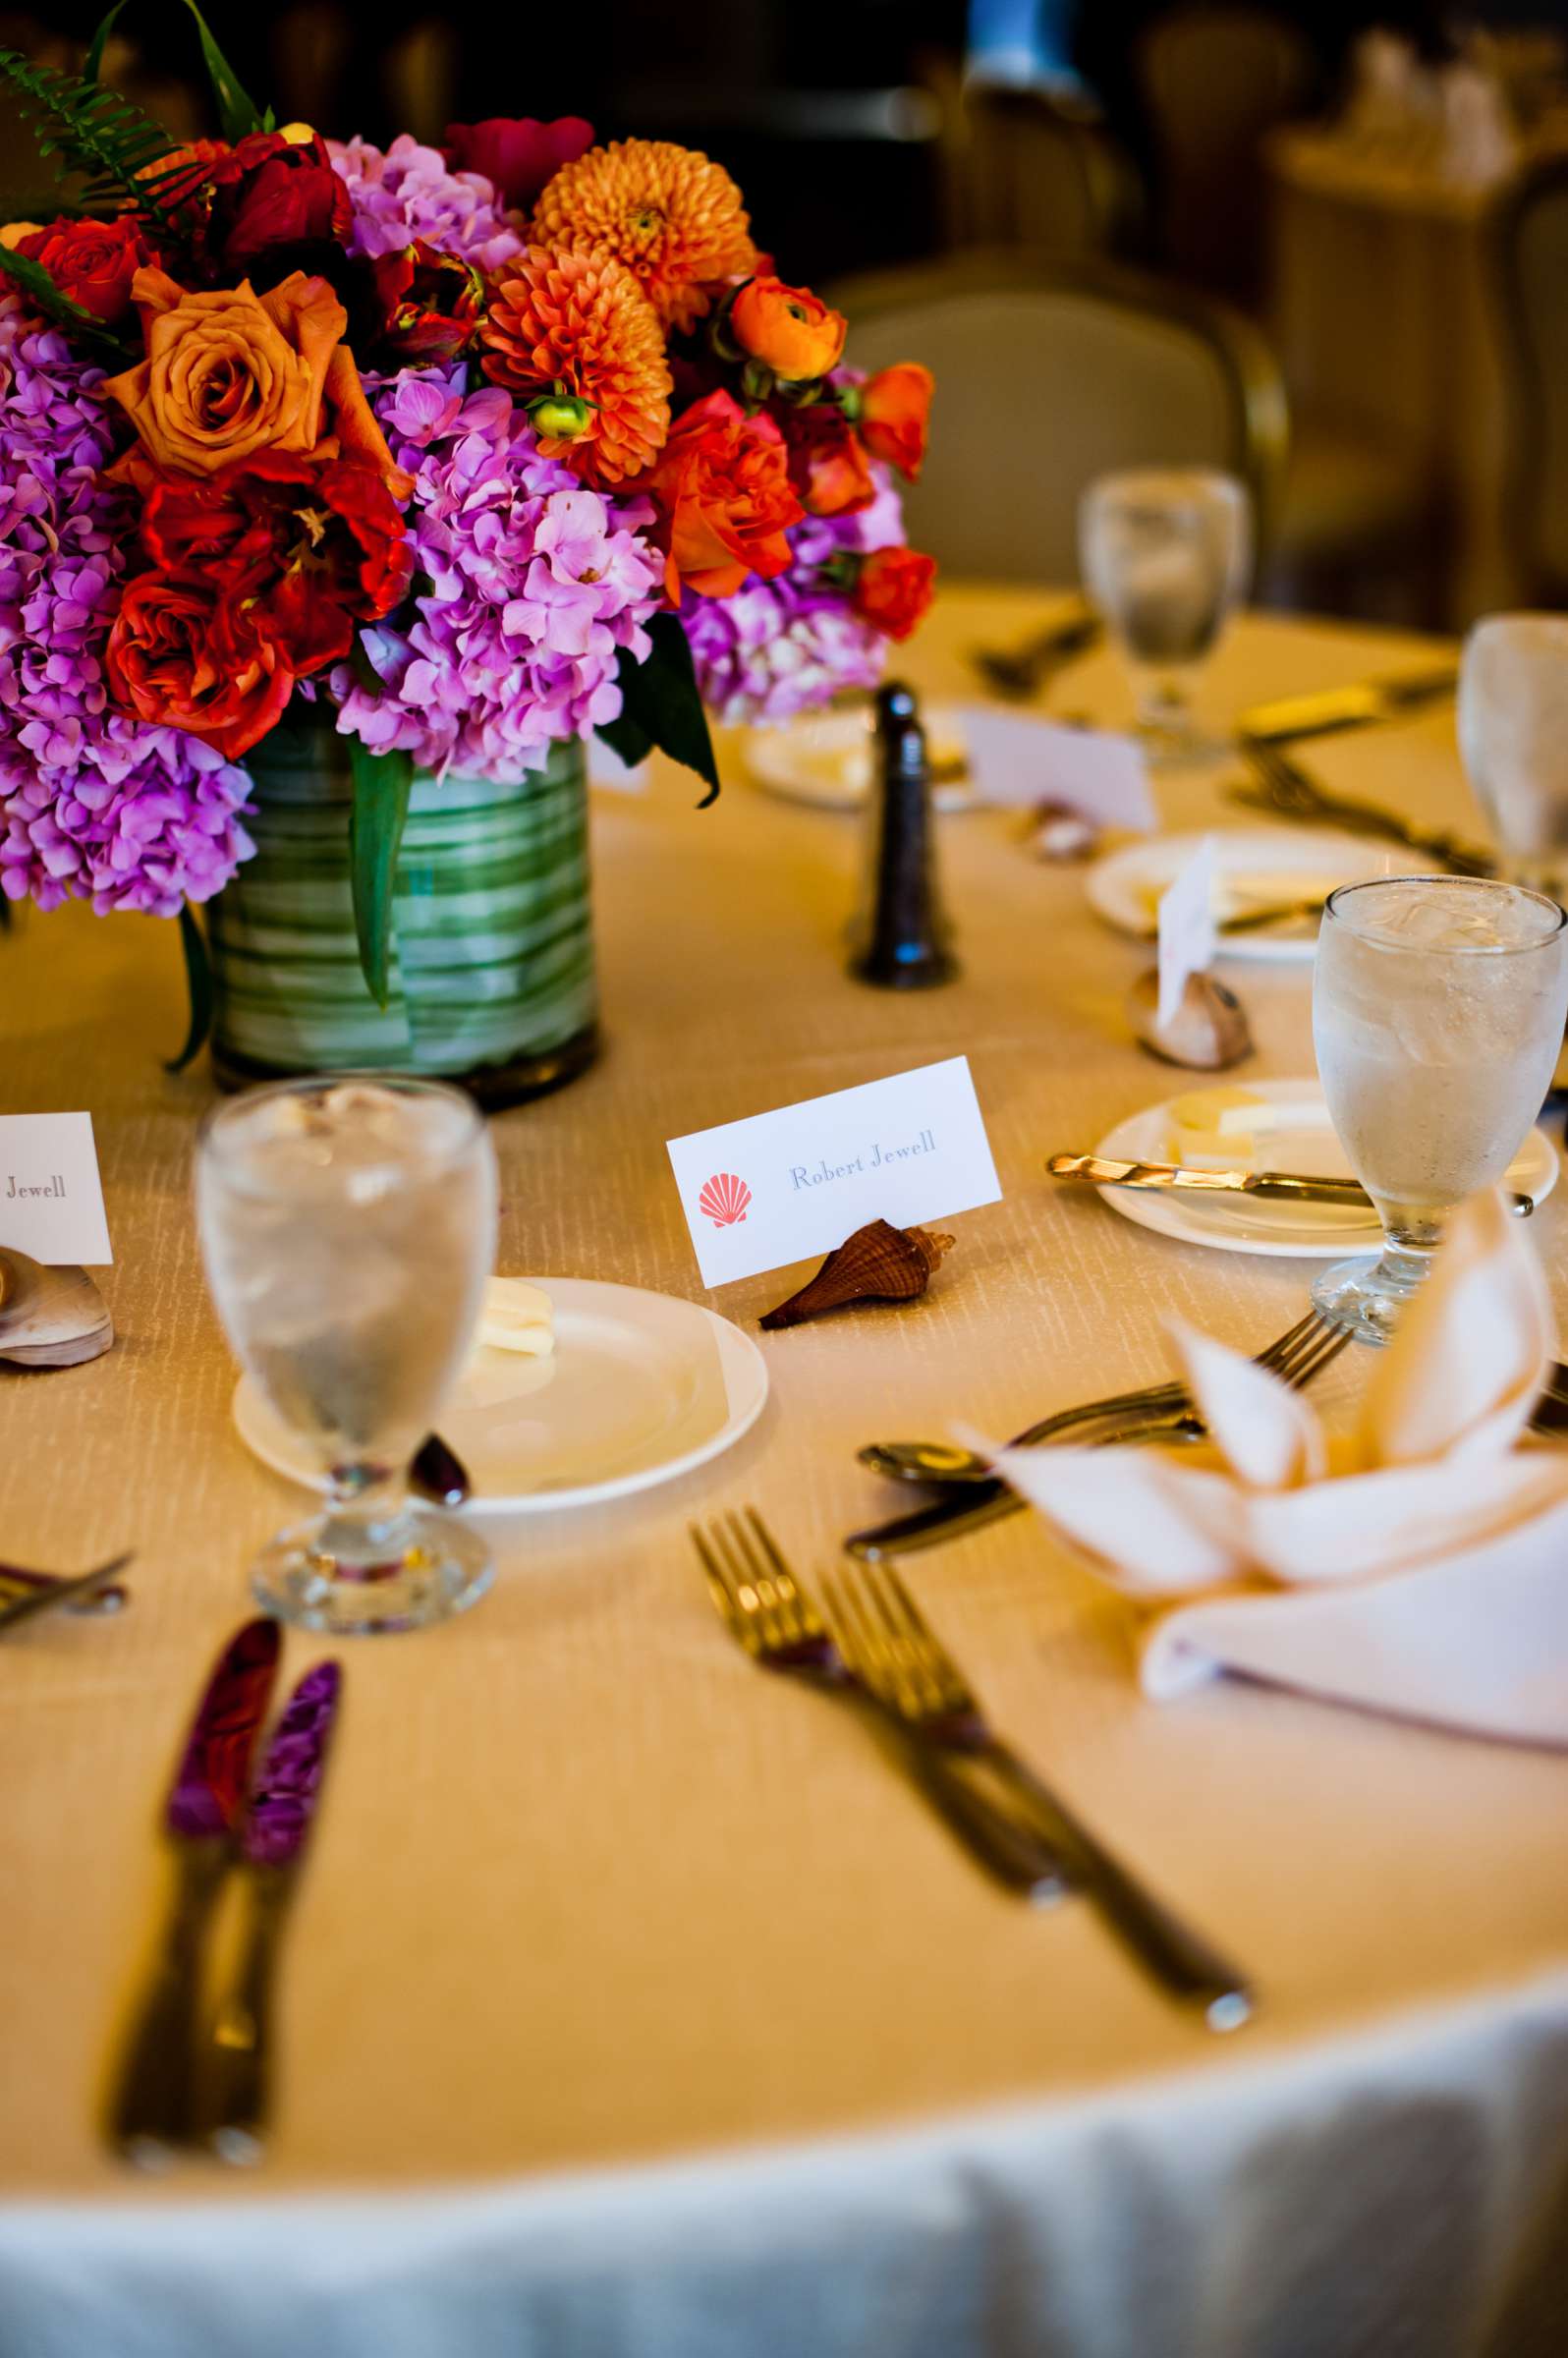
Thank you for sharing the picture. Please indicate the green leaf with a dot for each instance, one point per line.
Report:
(381, 784)
(45, 297)
(626, 738)
(660, 701)
(238, 112)
(198, 982)
(95, 133)
(92, 64)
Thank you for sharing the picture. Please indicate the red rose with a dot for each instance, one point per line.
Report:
(893, 410)
(516, 153)
(722, 483)
(432, 303)
(271, 192)
(827, 466)
(893, 590)
(91, 262)
(184, 656)
(308, 546)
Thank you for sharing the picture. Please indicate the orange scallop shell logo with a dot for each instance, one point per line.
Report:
(724, 1198)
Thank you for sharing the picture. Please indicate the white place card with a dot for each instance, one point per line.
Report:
(1185, 927)
(51, 1198)
(781, 1186)
(1016, 761)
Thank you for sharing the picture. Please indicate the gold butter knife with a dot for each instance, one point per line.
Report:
(1330, 708)
(1099, 1171)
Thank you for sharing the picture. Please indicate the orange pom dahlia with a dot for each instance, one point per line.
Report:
(672, 217)
(578, 320)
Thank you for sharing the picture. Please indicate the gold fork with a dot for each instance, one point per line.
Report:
(774, 1619)
(891, 1648)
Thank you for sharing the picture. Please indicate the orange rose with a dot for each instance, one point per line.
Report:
(789, 330)
(894, 590)
(14, 232)
(894, 407)
(827, 466)
(722, 483)
(229, 373)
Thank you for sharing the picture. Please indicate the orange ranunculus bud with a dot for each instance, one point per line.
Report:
(789, 330)
(894, 590)
(894, 407)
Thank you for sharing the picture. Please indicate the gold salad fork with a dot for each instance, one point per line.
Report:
(890, 1647)
(775, 1620)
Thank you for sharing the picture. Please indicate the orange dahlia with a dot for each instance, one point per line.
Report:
(574, 321)
(672, 217)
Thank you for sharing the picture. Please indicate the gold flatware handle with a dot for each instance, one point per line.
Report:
(235, 2082)
(151, 2110)
(62, 1593)
(1179, 1957)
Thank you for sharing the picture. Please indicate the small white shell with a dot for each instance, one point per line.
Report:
(1209, 1032)
(1059, 832)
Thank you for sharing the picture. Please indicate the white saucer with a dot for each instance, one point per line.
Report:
(1260, 1224)
(826, 757)
(1256, 865)
(641, 1388)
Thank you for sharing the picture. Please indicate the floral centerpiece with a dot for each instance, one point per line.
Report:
(343, 493)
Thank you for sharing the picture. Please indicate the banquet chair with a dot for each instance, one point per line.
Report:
(1025, 165)
(1049, 373)
(1214, 80)
(1530, 254)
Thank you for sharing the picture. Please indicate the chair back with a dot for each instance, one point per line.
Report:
(1530, 255)
(1048, 375)
(1029, 166)
(1214, 80)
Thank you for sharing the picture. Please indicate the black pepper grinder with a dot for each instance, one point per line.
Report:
(901, 939)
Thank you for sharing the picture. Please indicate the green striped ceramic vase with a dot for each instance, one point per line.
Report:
(492, 978)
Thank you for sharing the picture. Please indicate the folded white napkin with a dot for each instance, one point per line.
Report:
(1418, 1566)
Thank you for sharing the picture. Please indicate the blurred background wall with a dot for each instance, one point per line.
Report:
(1375, 188)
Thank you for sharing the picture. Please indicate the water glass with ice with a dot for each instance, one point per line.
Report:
(1438, 1012)
(1165, 553)
(1513, 736)
(348, 1227)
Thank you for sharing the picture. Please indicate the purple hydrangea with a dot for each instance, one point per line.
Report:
(787, 646)
(93, 804)
(409, 193)
(535, 585)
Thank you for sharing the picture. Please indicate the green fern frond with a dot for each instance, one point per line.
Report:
(92, 132)
(46, 298)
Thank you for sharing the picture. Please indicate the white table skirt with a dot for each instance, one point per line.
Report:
(1401, 2196)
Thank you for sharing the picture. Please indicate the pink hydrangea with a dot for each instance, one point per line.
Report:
(408, 192)
(93, 804)
(535, 587)
(784, 647)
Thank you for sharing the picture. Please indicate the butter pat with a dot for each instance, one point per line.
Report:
(1215, 1127)
(516, 1317)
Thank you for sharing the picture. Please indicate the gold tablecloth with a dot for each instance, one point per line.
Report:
(588, 1889)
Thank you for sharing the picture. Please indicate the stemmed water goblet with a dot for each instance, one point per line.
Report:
(1437, 1013)
(1165, 553)
(1513, 736)
(348, 1227)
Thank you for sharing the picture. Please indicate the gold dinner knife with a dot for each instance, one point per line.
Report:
(1296, 1186)
(1348, 707)
(1101, 1172)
